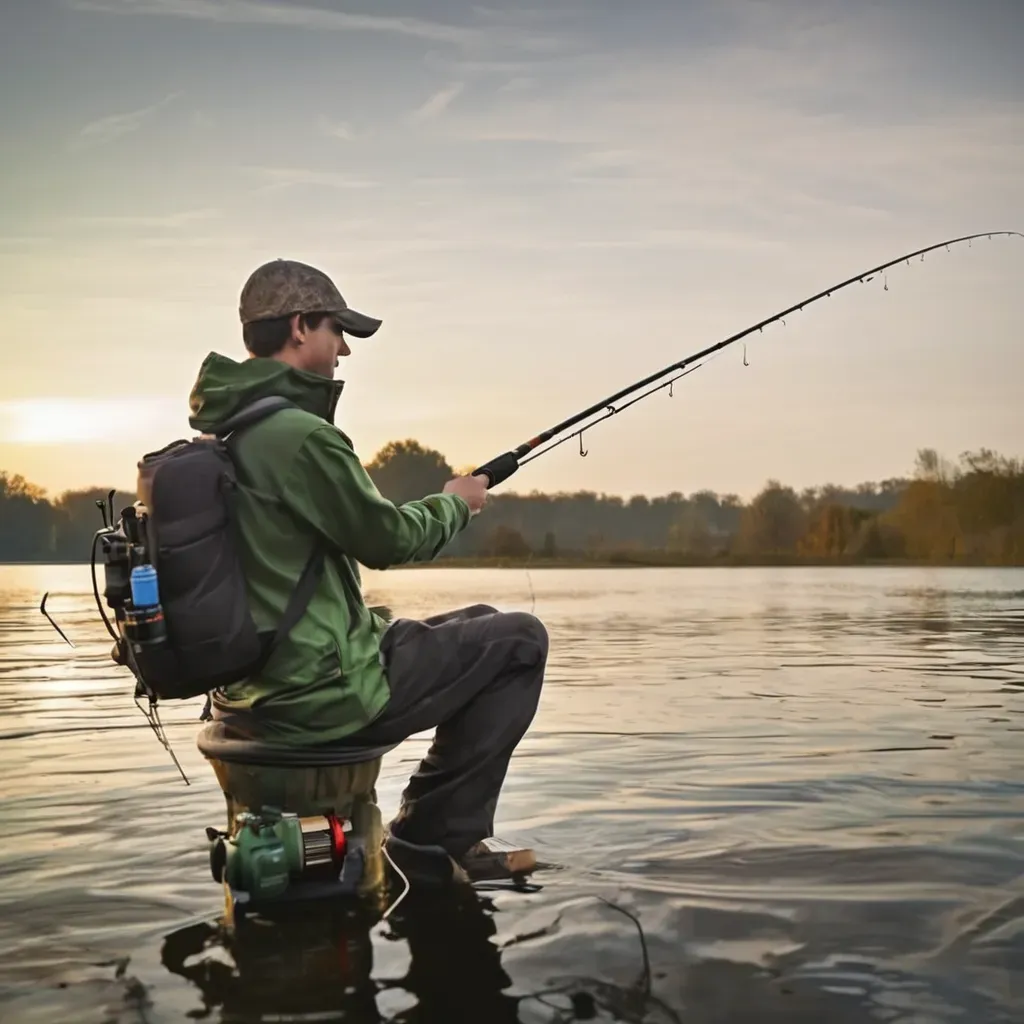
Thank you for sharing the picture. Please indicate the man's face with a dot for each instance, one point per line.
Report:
(320, 348)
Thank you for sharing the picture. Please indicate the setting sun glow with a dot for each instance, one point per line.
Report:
(74, 420)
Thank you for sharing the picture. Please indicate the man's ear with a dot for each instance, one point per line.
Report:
(298, 335)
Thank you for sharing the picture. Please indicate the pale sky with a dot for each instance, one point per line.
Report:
(542, 205)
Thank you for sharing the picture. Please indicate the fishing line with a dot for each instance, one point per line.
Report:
(612, 411)
(401, 874)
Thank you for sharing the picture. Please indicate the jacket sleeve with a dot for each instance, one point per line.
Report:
(329, 488)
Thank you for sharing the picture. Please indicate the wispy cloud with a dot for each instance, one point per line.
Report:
(282, 15)
(208, 243)
(276, 178)
(335, 129)
(488, 30)
(20, 241)
(779, 156)
(464, 67)
(113, 126)
(541, 29)
(520, 83)
(438, 103)
(159, 220)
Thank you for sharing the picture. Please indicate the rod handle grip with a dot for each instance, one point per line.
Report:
(498, 469)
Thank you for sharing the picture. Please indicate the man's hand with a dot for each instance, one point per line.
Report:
(471, 488)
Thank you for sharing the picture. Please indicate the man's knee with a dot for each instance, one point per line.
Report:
(476, 610)
(530, 630)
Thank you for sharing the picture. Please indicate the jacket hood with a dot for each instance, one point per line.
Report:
(224, 385)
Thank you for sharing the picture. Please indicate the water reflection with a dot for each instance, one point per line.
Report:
(324, 965)
(320, 965)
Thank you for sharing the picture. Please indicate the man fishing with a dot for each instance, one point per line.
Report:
(343, 675)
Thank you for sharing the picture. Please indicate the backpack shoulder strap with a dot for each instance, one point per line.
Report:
(250, 414)
(300, 598)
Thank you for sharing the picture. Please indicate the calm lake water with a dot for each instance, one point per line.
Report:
(806, 785)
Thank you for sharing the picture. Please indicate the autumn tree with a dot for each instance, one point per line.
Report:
(405, 471)
(832, 530)
(506, 542)
(26, 520)
(77, 519)
(690, 534)
(989, 491)
(932, 467)
(773, 523)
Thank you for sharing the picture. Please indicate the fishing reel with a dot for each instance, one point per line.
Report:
(272, 852)
(130, 589)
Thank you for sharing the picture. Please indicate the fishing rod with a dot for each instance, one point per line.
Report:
(503, 466)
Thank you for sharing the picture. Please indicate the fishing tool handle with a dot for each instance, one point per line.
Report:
(498, 469)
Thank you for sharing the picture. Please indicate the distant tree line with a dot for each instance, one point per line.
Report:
(968, 512)
(971, 511)
(36, 529)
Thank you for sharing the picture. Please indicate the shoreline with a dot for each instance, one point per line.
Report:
(693, 563)
(638, 561)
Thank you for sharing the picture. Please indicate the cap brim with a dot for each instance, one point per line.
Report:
(357, 324)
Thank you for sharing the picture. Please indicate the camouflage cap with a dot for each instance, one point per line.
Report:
(282, 287)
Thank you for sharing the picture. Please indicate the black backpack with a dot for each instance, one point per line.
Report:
(187, 527)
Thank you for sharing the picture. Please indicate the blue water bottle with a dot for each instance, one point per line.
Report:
(145, 590)
(145, 619)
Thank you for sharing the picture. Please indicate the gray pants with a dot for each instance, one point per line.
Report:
(475, 676)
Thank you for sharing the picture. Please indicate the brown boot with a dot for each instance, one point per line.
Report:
(494, 859)
(424, 865)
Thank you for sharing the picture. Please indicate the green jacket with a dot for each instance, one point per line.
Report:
(299, 480)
